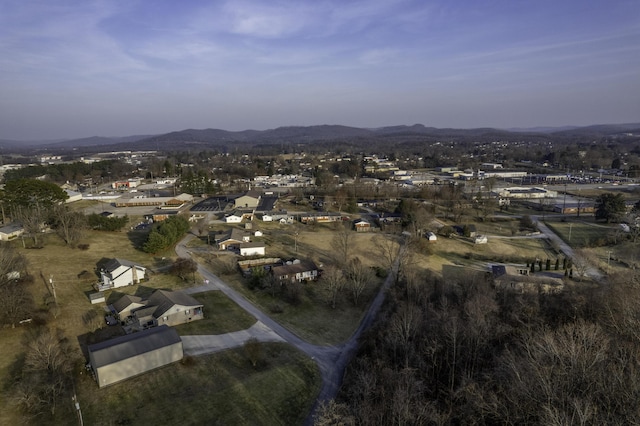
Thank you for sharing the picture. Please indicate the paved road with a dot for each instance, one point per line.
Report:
(200, 345)
(331, 360)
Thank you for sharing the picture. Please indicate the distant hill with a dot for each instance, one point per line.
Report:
(218, 138)
(94, 141)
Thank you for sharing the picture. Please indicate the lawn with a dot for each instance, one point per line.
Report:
(582, 234)
(221, 315)
(77, 317)
(216, 389)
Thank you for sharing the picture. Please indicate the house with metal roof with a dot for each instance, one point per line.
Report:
(128, 356)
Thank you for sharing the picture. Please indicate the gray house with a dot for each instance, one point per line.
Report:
(162, 307)
(128, 356)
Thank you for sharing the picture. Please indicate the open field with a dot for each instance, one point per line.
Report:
(582, 234)
(83, 322)
(215, 389)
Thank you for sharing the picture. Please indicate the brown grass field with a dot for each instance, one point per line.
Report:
(83, 322)
(224, 386)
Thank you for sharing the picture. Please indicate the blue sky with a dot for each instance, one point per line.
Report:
(75, 68)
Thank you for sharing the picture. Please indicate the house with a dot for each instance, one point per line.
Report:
(362, 225)
(232, 238)
(174, 307)
(431, 236)
(517, 278)
(124, 306)
(249, 200)
(119, 273)
(161, 308)
(11, 231)
(233, 218)
(320, 217)
(296, 271)
(118, 359)
(258, 233)
(252, 249)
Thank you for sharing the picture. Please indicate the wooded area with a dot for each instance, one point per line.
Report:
(465, 353)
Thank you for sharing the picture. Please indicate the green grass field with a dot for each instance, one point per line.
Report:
(222, 315)
(581, 234)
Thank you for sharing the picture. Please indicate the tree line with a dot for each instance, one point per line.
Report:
(467, 353)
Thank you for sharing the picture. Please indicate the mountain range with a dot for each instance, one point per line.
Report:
(193, 138)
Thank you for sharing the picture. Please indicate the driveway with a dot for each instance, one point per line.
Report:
(207, 344)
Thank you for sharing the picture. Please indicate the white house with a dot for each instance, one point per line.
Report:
(252, 249)
(431, 236)
(233, 218)
(119, 273)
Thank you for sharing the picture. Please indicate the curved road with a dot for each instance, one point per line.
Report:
(331, 360)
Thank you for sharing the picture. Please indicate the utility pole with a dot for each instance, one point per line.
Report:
(53, 288)
(570, 226)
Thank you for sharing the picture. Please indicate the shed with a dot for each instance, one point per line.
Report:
(128, 356)
(97, 297)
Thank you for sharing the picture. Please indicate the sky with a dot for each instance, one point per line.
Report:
(79, 68)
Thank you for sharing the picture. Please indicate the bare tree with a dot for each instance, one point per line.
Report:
(331, 413)
(183, 267)
(16, 303)
(387, 248)
(32, 219)
(342, 243)
(358, 278)
(253, 349)
(69, 225)
(46, 375)
(335, 282)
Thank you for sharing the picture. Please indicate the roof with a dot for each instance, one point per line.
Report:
(253, 193)
(498, 270)
(115, 263)
(233, 234)
(164, 300)
(251, 245)
(125, 301)
(10, 228)
(124, 347)
(294, 268)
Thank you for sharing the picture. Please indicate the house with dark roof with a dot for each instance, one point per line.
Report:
(119, 273)
(128, 356)
(161, 308)
(123, 307)
(296, 271)
(232, 238)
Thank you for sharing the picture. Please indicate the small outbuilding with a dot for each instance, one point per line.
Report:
(128, 356)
